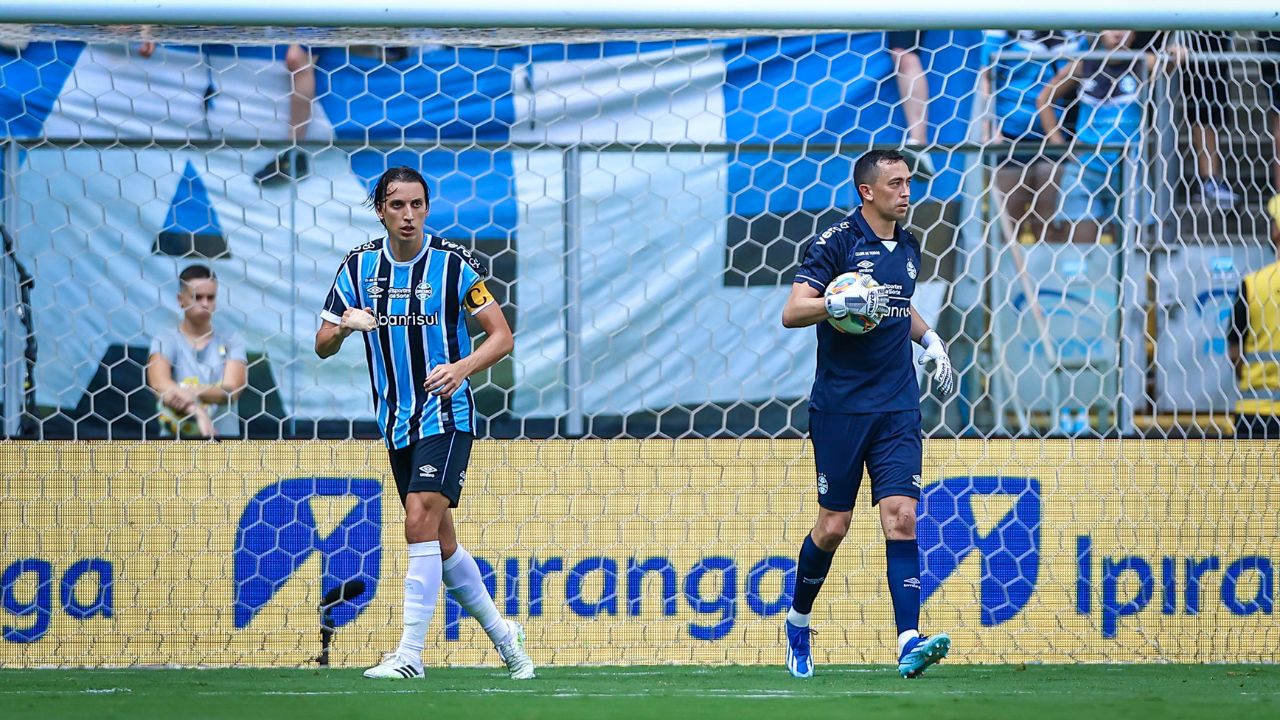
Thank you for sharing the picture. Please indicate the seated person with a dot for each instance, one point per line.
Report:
(196, 371)
(1110, 112)
(1024, 175)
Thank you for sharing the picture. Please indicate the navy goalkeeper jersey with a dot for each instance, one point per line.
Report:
(421, 306)
(873, 372)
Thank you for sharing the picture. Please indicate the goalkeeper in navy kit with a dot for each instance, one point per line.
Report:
(865, 405)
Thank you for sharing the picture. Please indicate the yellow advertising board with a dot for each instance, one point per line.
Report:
(621, 552)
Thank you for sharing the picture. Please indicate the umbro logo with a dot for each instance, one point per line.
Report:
(915, 480)
(866, 265)
(911, 582)
(813, 581)
(427, 472)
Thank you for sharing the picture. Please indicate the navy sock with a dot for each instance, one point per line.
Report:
(903, 561)
(811, 572)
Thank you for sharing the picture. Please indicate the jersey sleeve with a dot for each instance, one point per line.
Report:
(236, 347)
(157, 345)
(472, 292)
(341, 296)
(820, 264)
(477, 297)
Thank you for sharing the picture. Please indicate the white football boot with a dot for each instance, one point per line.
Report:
(395, 667)
(519, 664)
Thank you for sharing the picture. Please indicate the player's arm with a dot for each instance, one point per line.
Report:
(235, 376)
(805, 306)
(935, 352)
(330, 335)
(1062, 82)
(498, 343)
(170, 393)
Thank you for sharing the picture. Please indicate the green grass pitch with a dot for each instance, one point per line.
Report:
(1038, 692)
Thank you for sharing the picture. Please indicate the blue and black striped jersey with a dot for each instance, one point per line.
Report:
(419, 306)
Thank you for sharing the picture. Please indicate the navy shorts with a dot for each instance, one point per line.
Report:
(433, 464)
(889, 444)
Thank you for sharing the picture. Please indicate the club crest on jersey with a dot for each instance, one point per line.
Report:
(423, 290)
(911, 269)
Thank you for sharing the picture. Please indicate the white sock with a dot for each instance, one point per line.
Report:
(463, 582)
(797, 619)
(421, 588)
(904, 638)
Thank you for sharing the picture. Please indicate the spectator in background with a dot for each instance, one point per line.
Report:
(196, 371)
(1024, 176)
(913, 87)
(1253, 347)
(1205, 91)
(1109, 111)
(293, 164)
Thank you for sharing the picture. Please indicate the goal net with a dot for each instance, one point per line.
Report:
(1089, 204)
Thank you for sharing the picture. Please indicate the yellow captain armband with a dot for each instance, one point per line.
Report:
(477, 297)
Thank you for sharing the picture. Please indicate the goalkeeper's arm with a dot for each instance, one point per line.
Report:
(805, 306)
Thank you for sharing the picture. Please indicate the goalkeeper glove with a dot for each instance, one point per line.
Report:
(859, 300)
(936, 352)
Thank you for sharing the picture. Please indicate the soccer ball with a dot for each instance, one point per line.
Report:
(853, 323)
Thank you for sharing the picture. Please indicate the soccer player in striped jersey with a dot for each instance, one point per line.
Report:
(408, 295)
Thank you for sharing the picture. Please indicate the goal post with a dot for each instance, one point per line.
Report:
(632, 14)
(640, 181)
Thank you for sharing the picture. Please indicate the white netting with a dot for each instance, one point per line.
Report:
(642, 200)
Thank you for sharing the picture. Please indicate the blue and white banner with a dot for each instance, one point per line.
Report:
(660, 326)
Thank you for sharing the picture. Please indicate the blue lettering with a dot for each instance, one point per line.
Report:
(1196, 569)
(278, 532)
(608, 600)
(724, 604)
(1263, 599)
(1112, 608)
(755, 578)
(538, 571)
(1084, 574)
(102, 598)
(635, 583)
(1169, 588)
(40, 604)
(513, 585)
(947, 532)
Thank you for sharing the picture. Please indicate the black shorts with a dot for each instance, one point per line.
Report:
(889, 444)
(433, 464)
(903, 39)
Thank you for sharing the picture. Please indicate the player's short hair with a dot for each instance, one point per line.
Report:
(864, 170)
(399, 173)
(195, 272)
